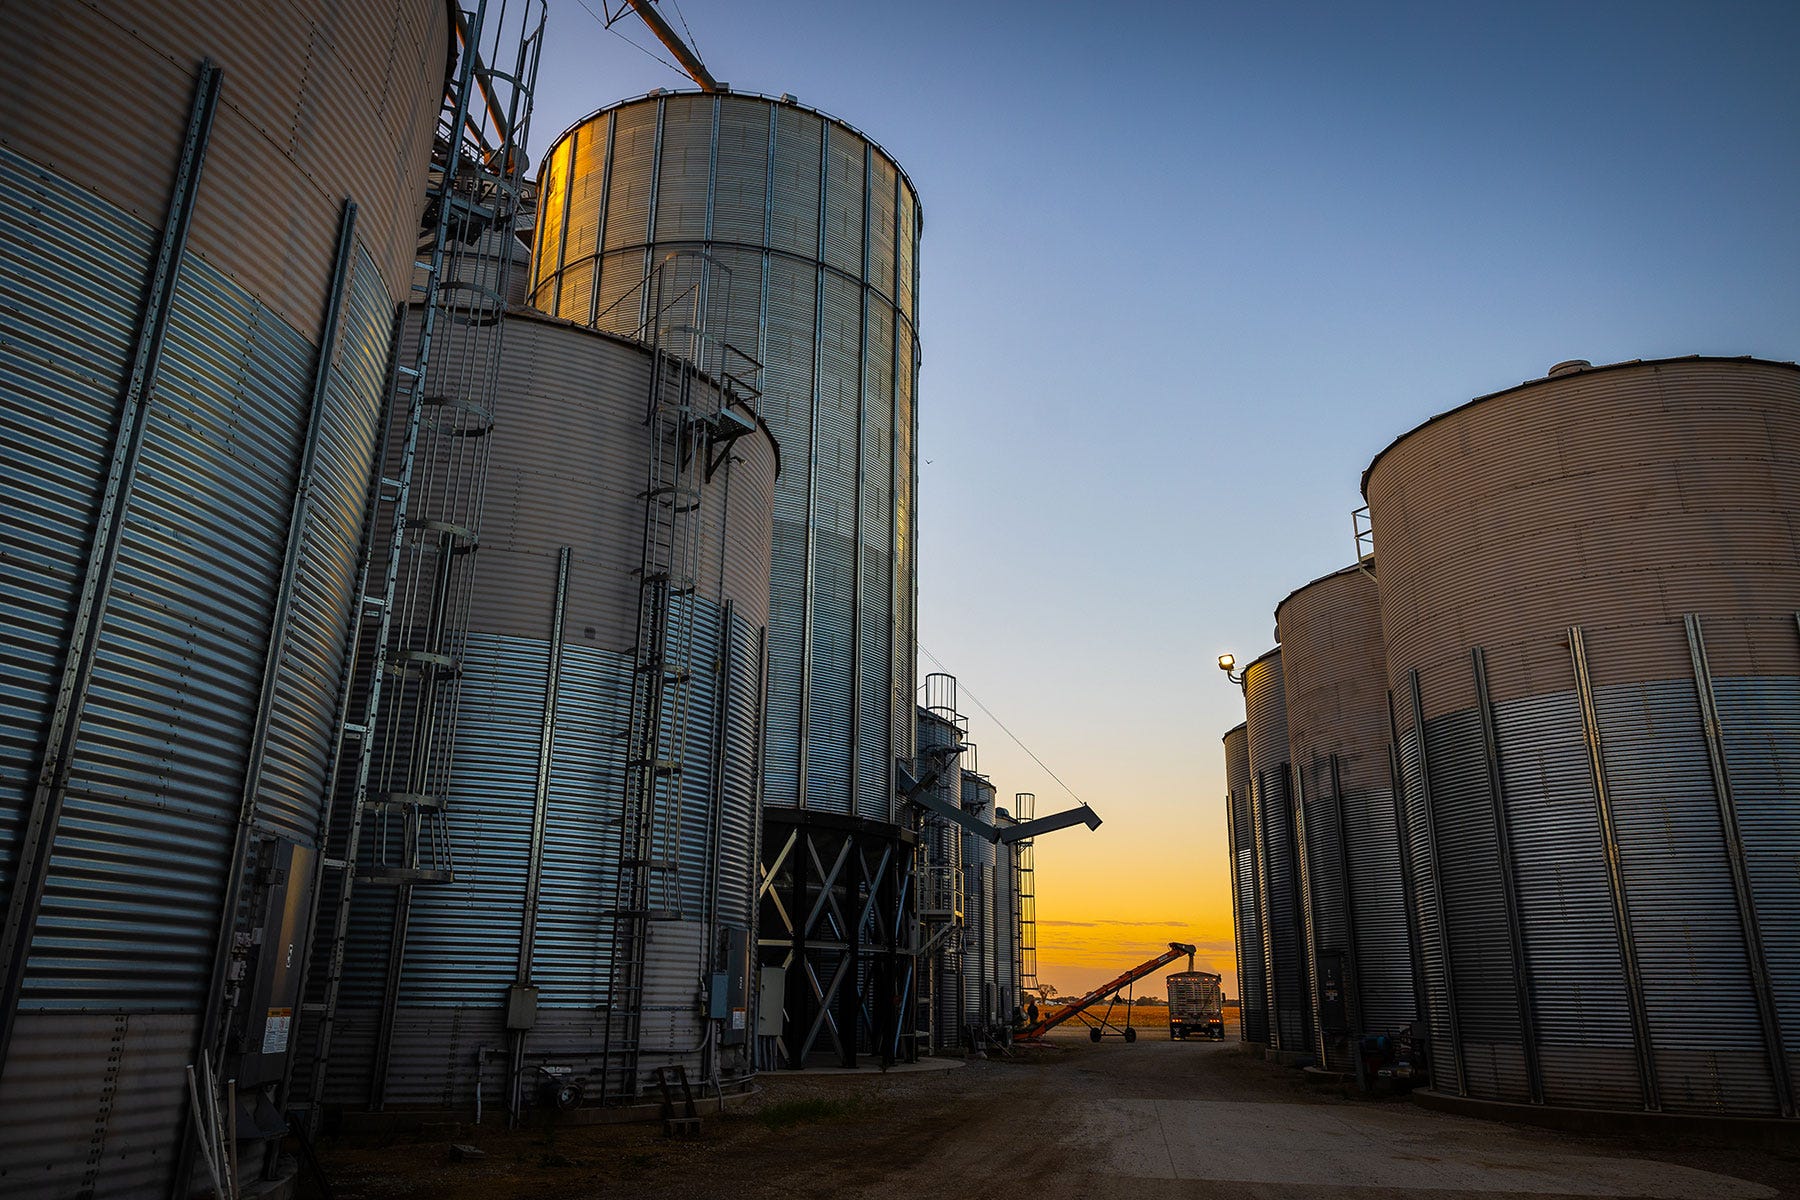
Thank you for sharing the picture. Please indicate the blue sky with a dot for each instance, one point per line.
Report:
(1187, 268)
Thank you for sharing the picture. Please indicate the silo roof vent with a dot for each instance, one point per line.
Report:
(1569, 366)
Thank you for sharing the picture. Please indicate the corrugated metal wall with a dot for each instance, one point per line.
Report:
(1589, 562)
(567, 466)
(1279, 867)
(1334, 668)
(1246, 907)
(819, 229)
(170, 776)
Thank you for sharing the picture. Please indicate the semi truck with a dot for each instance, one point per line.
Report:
(1196, 1006)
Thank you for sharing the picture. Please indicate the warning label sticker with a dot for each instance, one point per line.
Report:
(275, 1032)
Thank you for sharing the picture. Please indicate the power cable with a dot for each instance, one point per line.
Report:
(693, 42)
(963, 690)
(614, 30)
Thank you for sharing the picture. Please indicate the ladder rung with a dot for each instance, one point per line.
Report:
(357, 731)
(377, 603)
(407, 372)
(334, 864)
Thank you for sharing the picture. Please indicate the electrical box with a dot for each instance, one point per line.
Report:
(1334, 1015)
(771, 1000)
(521, 1007)
(731, 986)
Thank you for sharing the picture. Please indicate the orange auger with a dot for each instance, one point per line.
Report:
(1052, 1020)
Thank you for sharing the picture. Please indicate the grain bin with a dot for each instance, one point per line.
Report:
(981, 937)
(1006, 925)
(1246, 907)
(943, 903)
(1280, 878)
(530, 967)
(198, 339)
(812, 232)
(1588, 591)
(1334, 673)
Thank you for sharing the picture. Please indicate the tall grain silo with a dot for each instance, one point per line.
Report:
(943, 900)
(214, 215)
(1333, 664)
(1279, 872)
(810, 233)
(1588, 589)
(1246, 906)
(583, 941)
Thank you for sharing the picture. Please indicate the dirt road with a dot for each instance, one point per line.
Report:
(1157, 1120)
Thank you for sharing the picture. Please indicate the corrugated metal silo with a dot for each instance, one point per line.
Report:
(537, 788)
(1246, 905)
(199, 337)
(1279, 872)
(818, 230)
(980, 940)
(809, 235)
(1588, 592)
(1006, 924)
(1333, 666)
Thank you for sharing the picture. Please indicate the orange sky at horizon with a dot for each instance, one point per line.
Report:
(1110, 899)
(1155, 872)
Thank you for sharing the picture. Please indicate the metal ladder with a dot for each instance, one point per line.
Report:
(648, 885)
(391, 758)
(1025, 930)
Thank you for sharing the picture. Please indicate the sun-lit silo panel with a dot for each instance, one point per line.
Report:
(1587, 591)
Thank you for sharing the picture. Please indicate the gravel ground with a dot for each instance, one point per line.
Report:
(1075, 1119)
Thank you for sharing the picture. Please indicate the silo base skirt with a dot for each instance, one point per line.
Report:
(835, 937)
(1773, 1133)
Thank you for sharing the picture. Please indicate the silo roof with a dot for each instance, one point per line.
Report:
(1531, 383)
(657, 93)
(1349, 570)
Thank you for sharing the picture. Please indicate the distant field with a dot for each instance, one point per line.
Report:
(1139, 1017)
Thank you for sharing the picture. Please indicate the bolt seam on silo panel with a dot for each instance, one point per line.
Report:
(1353, 962)
(1523, 990)
(1303, 889)
(1734, 854)
(282, 610)
(1621, 906)
(1435, 870)
(1408, 879)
